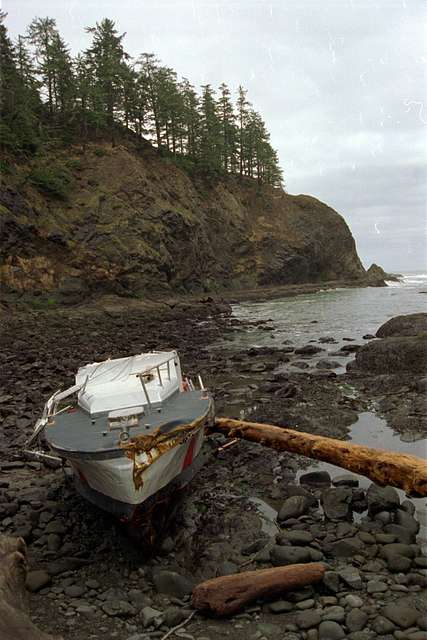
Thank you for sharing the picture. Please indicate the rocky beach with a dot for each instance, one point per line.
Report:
(248, 507)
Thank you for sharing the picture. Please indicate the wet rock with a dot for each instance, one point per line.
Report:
(118, 608)
(55, 526)
(356, 620)
(335, 613)
(37, 580)
(329, 630)
(308, 350)
(328, 364)
(150, 616)
(368, 336)
(300, 364)
(316, 479)
(345, 480)
(406, 550)
(281, 556)
(336, 503)
(295, 537)
(74, 591)
(407, 521)
(350, 348)
(353, 601)
(392, 355)
(331, 580)
(280, 606)
(398, 564)
(253, 547)
(402, 534)
(382, 499)
(173, 584)
(348, 547)
(86, 610)
(382, 625)
(308, 619)
(405, 325)
(173, 616)
(293, 507)
(351, 577)
(376, 586)
(408, 506)
(401, 614)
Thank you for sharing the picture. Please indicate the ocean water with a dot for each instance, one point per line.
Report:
(341, 314)
(337, 313)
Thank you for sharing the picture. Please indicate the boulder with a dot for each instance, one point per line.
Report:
(401, 614)
(293, 507)
(173, 584)
(281, 556)
(316, 479)
(392, 355)
(408, 325)
(337, 503)
(382, 499)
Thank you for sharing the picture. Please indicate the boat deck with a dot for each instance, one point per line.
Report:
(76, 433)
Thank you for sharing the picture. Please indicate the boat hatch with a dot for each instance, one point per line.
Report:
(124, 419)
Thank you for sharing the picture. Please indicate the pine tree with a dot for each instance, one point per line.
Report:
(41, 33)
(242, 117)
(228, 129)
(106, 57)
(190, 118)
(46, 93)
(210, 147)
(149, 78)
(19, 101)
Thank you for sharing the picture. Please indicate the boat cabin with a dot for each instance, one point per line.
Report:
(138, 381)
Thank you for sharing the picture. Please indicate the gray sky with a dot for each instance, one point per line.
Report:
(341, 85)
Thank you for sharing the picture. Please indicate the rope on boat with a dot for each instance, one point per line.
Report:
(155, 444)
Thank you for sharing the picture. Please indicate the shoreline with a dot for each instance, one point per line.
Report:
(97, 583)
(113, 303)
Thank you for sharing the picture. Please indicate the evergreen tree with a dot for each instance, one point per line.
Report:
(242, 117)
(190, 118)
(210, 132)
(106, 59)
(19, 101)
(41, 34)
(46, 93)
(228, 129)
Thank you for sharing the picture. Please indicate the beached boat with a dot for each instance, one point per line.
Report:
(131, 429)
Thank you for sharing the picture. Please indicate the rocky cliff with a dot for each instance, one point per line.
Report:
(134, 223)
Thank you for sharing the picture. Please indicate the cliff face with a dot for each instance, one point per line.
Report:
(134, 223)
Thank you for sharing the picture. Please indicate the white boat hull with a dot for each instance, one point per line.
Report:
(113, 478)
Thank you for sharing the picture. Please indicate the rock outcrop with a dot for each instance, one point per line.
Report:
(410, 325)
(134, 223)
(376, 275)
(403, 347)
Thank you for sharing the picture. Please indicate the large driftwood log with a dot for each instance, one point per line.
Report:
(382, 467)
(228, 594)
(14, 621)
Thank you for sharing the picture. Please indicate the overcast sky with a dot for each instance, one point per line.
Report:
(341, 85)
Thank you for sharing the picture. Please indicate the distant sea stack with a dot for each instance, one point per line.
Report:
(133, 223)
(377, 276)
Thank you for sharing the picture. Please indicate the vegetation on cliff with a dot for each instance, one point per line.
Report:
(50, 96)
(118, 178)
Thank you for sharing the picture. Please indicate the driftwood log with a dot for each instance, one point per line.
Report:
(228, 594)
(14, 621)
(382, 467)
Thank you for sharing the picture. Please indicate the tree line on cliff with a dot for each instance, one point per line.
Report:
(49, 96)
